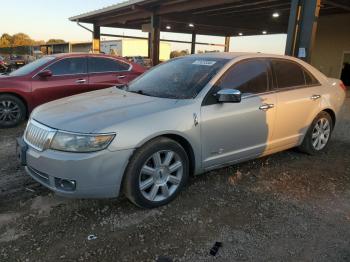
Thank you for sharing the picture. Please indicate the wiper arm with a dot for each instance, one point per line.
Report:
(123, 86)
(140, 92)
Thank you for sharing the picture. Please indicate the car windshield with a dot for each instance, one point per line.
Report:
(181, 78)
(32, 66)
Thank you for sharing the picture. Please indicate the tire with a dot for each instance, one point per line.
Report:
(156, 173)
(324, 121)
(12, 111)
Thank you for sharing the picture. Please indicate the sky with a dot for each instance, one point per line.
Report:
(45, 19)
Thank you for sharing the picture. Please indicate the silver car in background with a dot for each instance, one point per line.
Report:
(186, 116)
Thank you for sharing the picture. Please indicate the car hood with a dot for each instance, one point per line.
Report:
(98, 110)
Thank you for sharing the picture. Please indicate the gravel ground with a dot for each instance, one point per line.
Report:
(284, 207)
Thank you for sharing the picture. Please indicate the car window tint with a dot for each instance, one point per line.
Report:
(250, 77)
(98, 65)
(69, 66)
(288, 74)
(310, 79)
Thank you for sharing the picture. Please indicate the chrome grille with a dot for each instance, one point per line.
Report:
(37, 135)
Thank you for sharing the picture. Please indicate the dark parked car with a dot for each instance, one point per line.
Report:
(138, 60)
(3, 65)
(56, 76)
(16, 61)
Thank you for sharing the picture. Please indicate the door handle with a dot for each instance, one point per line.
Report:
(315, 97)
(266, 107)
(80, 81)
(121, 77)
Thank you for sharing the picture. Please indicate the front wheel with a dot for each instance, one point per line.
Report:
(156, 173)
(317, 138)
(12, 111)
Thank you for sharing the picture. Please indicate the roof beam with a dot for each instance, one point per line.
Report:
(341, 6)
(260, 8)
(264, 2)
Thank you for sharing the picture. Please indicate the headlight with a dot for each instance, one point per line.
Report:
(82, 143)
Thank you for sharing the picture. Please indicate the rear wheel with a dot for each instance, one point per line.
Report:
(156, 173)
(12, 111)
(317, 138)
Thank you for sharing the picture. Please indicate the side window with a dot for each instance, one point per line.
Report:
(310, 79)
(250, 77)
(99, 65)
(69, 66)
(288, 74)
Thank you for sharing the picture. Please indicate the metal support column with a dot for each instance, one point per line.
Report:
(155, 33)
(227, 43)
(96, 39)
(302, 28)
(149, 45)
(193, 43)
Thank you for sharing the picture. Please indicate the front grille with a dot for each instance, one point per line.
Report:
(37, 135)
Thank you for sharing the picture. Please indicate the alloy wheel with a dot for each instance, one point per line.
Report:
(321, 134)
(9, 111)
(160, 175)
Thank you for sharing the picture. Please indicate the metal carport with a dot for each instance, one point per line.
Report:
(297, 18)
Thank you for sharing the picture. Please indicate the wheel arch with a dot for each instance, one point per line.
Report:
(25, 102)
(179, 138)
(186, 146)
(332, 114)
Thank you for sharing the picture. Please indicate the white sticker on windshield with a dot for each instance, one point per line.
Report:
(204, 62)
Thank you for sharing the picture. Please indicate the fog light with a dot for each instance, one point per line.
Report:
(64, 184)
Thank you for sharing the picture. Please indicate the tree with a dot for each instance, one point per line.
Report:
(21, 39)
(6, 40)
(175, 53)
(39, 42)
(55, 41)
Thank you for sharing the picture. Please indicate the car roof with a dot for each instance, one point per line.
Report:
(233, 55)
(61, 55)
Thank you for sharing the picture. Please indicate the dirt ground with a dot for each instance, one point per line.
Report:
(285, 207)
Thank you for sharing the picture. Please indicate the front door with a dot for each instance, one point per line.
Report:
(69, 77)
(234, 131)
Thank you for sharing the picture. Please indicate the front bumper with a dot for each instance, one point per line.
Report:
(95, 175)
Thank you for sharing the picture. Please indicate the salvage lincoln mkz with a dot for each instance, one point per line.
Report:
(186, 116)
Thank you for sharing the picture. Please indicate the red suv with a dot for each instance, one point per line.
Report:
(56, 76)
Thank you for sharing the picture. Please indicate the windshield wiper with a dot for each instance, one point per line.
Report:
(140, 92)
(123, 86)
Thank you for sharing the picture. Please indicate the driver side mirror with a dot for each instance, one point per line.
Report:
(45, 74)
(229, 96)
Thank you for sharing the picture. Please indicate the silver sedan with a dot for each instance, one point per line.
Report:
(187, 116)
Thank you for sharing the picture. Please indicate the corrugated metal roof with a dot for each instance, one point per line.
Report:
(107, 9)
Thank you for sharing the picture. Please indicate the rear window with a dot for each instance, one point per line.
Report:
(288, 74)
(310, 79)
(100, 65)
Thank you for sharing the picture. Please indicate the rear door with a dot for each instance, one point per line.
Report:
(235, 131)
(69, 77)
(298, 101)
(105, 72)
